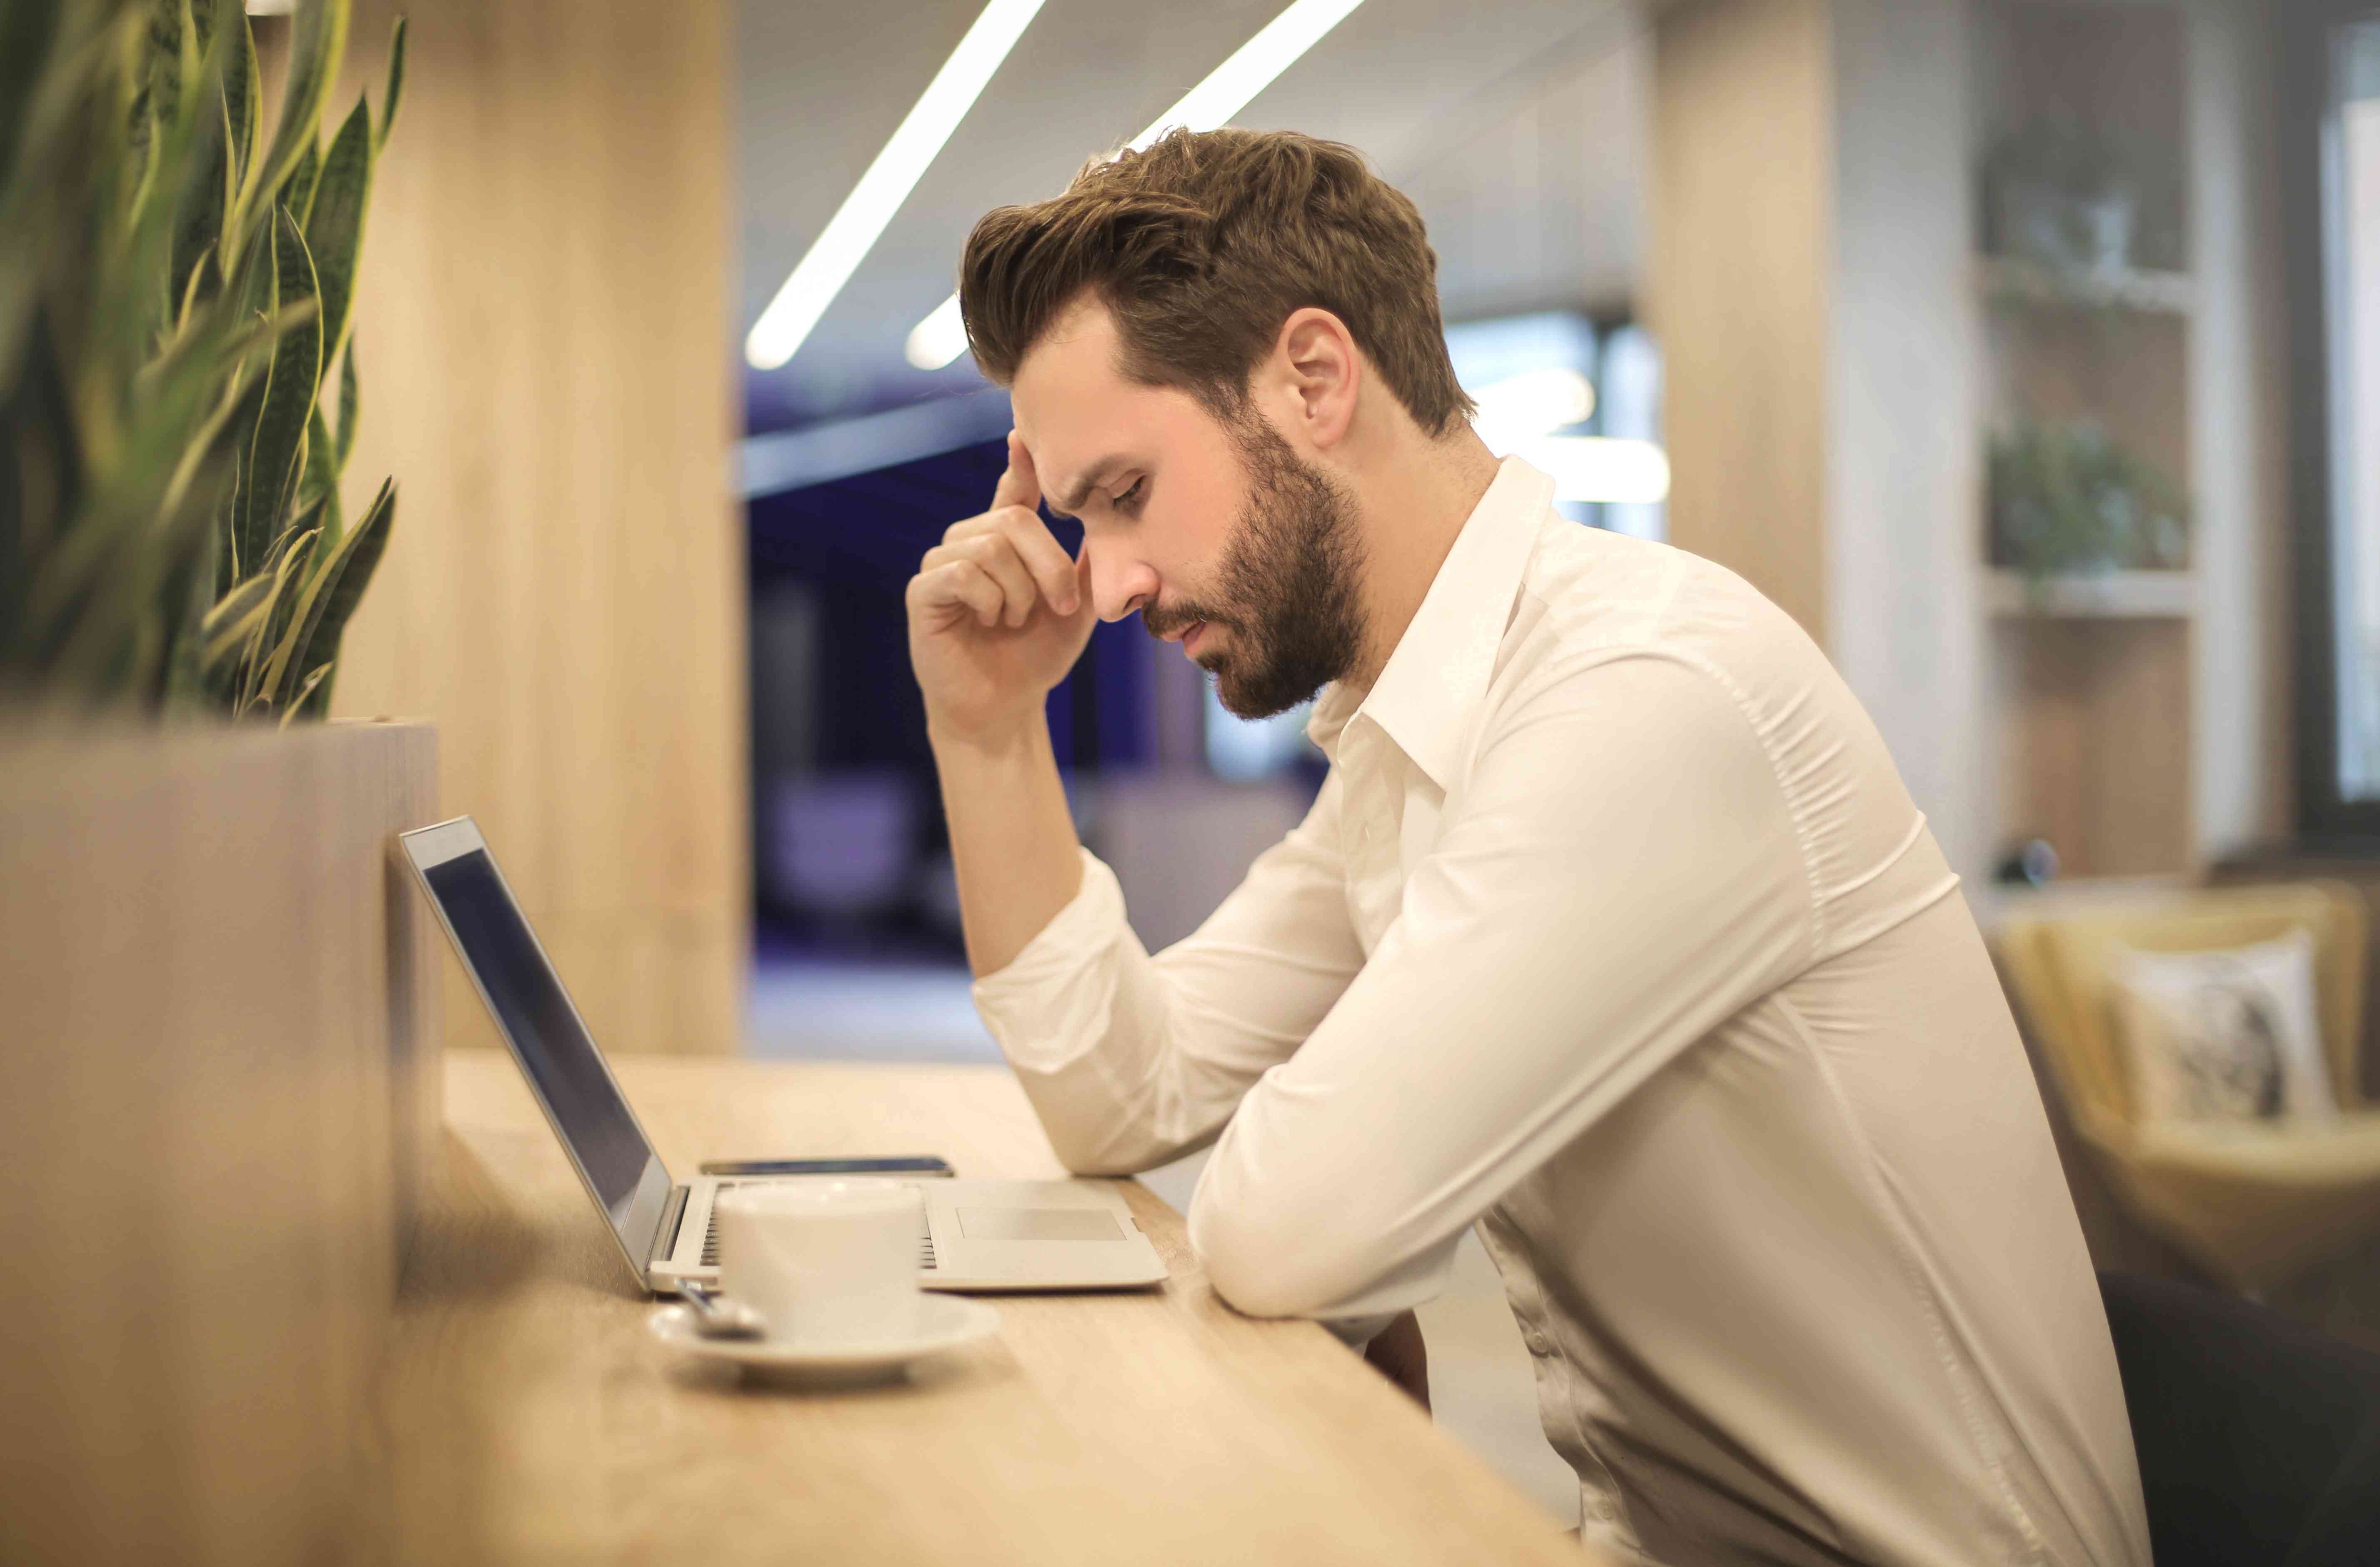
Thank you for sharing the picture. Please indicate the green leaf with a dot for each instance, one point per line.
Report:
(303, 540)
(339, 585)
(318, 38)
(243, 110)
(305, 692)
(298, 190)
(233, 620)
(349, 407)
(395, 87)
(334, 233)
(321, 481)
(278, 444)
(260, 670)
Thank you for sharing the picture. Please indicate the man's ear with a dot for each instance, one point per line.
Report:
(1319, 374)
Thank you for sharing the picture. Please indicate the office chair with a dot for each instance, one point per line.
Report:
(2258, 1437)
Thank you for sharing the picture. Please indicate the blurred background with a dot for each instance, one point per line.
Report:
(2019, 350)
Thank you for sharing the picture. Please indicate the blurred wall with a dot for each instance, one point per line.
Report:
(542, 320)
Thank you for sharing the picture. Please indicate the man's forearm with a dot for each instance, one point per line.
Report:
(1011, 840)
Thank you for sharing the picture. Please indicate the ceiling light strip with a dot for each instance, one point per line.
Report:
(1229, 88)
(857, 225)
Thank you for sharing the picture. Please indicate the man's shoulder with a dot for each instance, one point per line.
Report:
(1590, 596)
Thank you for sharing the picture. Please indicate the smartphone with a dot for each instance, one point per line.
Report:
(918, 1164)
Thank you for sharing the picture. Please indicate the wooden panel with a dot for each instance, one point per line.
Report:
(1738, 294)
(543, 321)
(219, 1021)
(2096, 742)
(528, 1417)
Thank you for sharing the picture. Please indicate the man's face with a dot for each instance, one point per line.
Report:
(1216, 532)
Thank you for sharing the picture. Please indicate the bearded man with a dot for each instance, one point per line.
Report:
(1612, 931)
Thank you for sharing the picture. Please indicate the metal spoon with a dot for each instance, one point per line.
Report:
(716, 1316)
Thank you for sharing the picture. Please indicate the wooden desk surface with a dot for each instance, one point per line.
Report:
(526, 1415)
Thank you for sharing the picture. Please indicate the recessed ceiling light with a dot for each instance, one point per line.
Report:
(847, 237)
(942, 336)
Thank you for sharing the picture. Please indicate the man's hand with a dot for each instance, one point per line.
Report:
(997, 613)
(1398, 1353)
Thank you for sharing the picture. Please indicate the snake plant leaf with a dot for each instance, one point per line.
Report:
(321, 481)
(395, 87)
(334, 232)
(201, 229)
(243, 110)
(305, 691)
(227, 626)
(299, 547)
(278, 444)
(274, 636)
(349, 408)
(340, 584)
(318, 39)
(298, 190)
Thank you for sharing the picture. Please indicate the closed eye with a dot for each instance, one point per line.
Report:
(1130, 500)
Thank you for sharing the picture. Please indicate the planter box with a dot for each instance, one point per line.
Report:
(218, 1092)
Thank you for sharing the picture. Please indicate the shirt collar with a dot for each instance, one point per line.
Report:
(1428, 698)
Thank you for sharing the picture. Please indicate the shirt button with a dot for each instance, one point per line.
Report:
(1538, 1343)
(1605, 1510)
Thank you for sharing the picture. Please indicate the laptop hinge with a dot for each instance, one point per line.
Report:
(665, 1236)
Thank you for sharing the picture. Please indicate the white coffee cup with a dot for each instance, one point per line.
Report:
(823, 1261)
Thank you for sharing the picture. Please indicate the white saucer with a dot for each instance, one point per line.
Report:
(942, 1322)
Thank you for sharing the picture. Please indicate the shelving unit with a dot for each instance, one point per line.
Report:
(2090, 677)
(2115, 595)
(2013, 280)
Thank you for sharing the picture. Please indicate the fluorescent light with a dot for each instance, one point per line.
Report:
(1598, 468)
(853, 229)
(939, 338)
(1229, 88)
(1536, 402)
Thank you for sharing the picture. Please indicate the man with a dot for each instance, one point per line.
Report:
(1612, 929)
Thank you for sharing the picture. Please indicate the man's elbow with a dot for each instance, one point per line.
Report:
(1271, 1268)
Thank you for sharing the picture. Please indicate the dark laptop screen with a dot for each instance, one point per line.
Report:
(544, 1028)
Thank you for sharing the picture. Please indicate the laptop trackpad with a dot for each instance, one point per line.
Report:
(1038, 1225)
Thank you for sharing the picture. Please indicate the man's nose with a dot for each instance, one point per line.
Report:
(1120, 585)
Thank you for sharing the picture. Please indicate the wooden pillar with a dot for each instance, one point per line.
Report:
(545, 331)
(1808, 284)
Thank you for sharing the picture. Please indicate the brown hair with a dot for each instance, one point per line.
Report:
(1201, 246)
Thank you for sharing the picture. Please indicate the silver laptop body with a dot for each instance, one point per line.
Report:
(979, 1235)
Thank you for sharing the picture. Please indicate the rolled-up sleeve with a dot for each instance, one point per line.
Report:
(1621, 875)
(1132, 1059)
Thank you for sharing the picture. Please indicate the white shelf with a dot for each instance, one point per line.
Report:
(2115, 595)
(2155, 293)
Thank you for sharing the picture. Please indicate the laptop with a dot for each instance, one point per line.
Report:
(978, 1235)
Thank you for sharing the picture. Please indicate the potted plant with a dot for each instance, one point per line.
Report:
(177, 371)
(220, 1063)
(2067, 500)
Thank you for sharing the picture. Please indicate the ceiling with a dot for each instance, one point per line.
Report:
(1518, 126)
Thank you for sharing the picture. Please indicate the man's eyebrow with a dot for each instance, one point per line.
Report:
(1072, 500)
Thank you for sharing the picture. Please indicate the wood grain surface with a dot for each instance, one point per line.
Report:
(526, 1415)
(541, 327)
(215, 1022)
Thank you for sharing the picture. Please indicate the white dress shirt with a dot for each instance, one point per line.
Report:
(1614, 931)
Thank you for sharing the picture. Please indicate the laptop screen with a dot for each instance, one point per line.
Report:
(546, 1034)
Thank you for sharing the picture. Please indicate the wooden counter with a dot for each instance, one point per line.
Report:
(524, 1416)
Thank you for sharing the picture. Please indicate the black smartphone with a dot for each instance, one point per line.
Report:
(917, 1164)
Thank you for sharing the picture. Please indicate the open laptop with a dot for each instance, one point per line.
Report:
(979, 1234)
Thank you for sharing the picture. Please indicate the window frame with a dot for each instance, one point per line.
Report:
(2311, 236)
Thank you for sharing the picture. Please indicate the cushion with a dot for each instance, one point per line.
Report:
(2232, 1034)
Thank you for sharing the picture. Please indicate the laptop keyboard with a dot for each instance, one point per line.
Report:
(710, 1234)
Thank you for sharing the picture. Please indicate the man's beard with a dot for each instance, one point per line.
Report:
(1289, 583)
